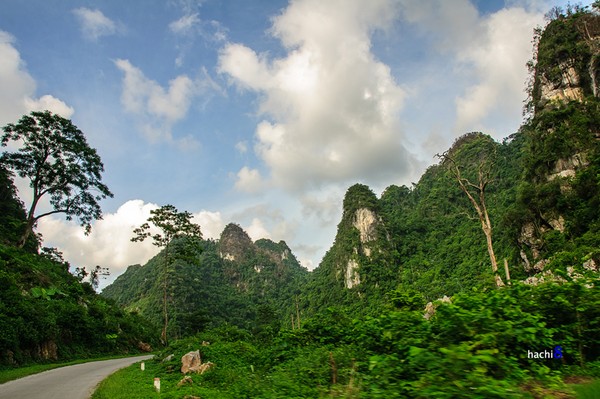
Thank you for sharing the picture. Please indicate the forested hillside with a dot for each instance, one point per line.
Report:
(252, 285)
(47, 313)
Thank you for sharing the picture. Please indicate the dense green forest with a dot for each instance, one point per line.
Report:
(49, 314)
(478, 281)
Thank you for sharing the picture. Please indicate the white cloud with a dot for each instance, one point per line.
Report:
(94, 24)
(487, 52)
(498, 61)
(159, 108)
(48, 102)
(242, 147)
(109, 243)
(256, 230)
(249, 180)
(17, 96)
(330, 108)
(211, 223)
(185, 24)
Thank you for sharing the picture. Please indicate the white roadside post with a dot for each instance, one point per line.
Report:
(157, 384)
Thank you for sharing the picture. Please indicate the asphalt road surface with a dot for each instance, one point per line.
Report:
(71, 382)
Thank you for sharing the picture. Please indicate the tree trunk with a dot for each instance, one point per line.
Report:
(30, 222)
(165, 297)
(487, 230)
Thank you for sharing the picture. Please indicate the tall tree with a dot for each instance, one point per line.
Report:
(59, 164)
(172, 224)
(475, 190)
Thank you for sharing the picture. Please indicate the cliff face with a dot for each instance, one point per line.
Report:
(563, 134)
(567, 61)
(235, 244)
(361, 244)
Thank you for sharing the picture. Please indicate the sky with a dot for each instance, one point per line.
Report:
(259, 112)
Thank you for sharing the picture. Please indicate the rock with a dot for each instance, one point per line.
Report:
(431, 306)
(590, 265)
(48, 350)
(567, 89)
(205, 343)
(541, 265)
(352, 277)
(205, 367)
(144, 347)
(366, 221)
(186, 380)
(168, 358)
(190, 362)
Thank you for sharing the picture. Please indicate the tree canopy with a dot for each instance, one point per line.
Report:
(60, 165)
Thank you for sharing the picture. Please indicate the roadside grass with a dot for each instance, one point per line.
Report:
(9, 374)
(133, 383)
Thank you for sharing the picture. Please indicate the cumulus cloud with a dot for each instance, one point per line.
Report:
(94, 24)
(158, 108)
(249, 180)
(329, 107)
(488, 52)
(211, 223)
(109, 244)
(499, 63)
(17, 96)
(48, 102)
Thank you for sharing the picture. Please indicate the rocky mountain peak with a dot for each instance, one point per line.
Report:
(235, 244)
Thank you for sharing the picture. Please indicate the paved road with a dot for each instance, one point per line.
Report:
(71, 382)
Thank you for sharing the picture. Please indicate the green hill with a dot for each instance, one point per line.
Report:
(48, 314)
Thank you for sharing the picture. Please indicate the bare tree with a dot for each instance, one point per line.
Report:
(475, 191)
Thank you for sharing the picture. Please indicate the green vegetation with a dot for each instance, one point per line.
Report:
(477, 346)
(403, 305)
(355, 326)
(47, 313)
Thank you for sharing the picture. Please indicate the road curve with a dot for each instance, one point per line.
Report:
(70, 382)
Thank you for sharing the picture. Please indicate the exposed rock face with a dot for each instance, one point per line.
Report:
(567, 168)
(144, 347)
(365, 221)
(48, 350)
(235, 244)
(590, 265)
(567, 89)
(431, 306)
(529, 238)
(352, 277)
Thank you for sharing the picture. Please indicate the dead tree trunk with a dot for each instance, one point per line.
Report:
(476, 194)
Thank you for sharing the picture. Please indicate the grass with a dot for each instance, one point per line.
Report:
(133, 383)
(587, 391)
(10, 374)
(129, 382)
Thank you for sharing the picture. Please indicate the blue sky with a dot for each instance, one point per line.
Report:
(260, 113)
